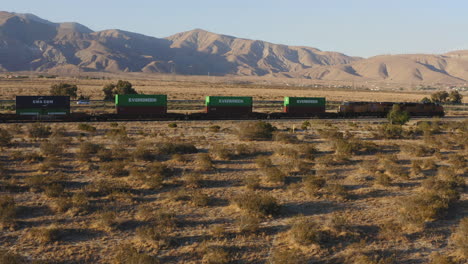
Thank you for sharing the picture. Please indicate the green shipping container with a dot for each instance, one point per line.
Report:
(141, 100)
(304, 101)
(228, 101)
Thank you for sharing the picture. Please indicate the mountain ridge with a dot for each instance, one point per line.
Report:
(30, 43)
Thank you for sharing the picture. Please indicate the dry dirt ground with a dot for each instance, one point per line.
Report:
(143, 194)
(201, 192)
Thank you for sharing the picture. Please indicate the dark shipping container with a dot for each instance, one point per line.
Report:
(302, 110)
(42, 102)
(228, 110)
(141, 110)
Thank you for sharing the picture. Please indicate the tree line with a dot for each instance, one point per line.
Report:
(109, 90)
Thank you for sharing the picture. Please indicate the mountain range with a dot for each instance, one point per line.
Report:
(30, 43)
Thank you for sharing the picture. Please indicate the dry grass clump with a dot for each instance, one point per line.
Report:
(437, 258)
(313, 184)
(389, 131)
(153, 234)
(259, 204)
(8, 211)
(106, 221)
(11, 258)
(215, 255)
(143, 153)
(337, 190)
(283, 137)
(199, 198)
(170, 148)
(153, 175)
(287, 256)
(45, 235)
(222, 152)
(127, 254)
(263, 162)
(373, 259)
(309, 151)
(87, 149)
(306, 232)
(5, 138)
(418, 150)
(248, 223)
(38, 130)
(114, 169)
(192, 180)
(274, 175)
(252, 182)
(86, 127)
(460, 238)
(255, 131)
(203, 162)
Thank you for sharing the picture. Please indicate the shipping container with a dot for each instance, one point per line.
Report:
(42, 102)
(141, 110)
(141, 100)
(304, 101)
(243, 101)
(304, 105)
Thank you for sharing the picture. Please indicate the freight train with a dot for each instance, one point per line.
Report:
(154, 107)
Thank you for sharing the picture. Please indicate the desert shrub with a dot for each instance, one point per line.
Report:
(199, 198)
(393, 168)
(106, 221)
(5, 138)
(38, 130)
(330, 134)
(257, 204)
(193, 180)
(153, 234)
(248, 223)
(243, 150)
(54, 190)
(172, 125)
(45, 235)
(114, 169)
(437, 258)
(87, 149)
(417, 150)
(161, 218)
(382, 179)
(86, 127)
(106, 187)
(214, 128)
(390, 230)
(274, 175)
(339, 222)
(309, 151)
(179, 158)
(389, 131)
(305, 125)
(397, 116)
(285, 137)
(8, 211)
(255, 131)
(170, 148)
(429, 164)
(215, 255)
(287, 256)
(118, 133)
(105, 155)
(457, 161)
(50, 149)
(203, 162)
(263, 162)
(460, 237)
(373, 259)
(252, 182)
(288, 152)
(143, 153)
(420, 208)
(337, 190)
(127, 254)
(306, 232)
(312, 184)
(222, 152)
(416, 167)
(11, 258)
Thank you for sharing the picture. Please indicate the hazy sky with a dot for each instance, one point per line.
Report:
(354, 27)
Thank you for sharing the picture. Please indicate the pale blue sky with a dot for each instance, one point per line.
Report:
(354, 27)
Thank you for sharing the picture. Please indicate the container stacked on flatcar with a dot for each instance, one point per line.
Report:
(228, 105)
(43, 105)
(304, 106)
(141, 104)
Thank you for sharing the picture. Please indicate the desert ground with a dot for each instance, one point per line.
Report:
(289, 191)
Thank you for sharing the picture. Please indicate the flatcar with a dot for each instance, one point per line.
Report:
(381, 109)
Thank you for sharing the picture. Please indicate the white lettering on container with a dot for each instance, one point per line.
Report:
(43, 101)
(231, 101)
(142, 100)
(307, 101)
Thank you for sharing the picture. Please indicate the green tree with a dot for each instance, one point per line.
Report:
(425, 100)
(455, 97)
(64, 89)
(122, 87)
(439, 97)
(397, 116)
